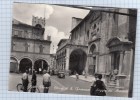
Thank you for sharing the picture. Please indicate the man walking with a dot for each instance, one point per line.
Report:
(46, 81)
(25, 81)
(34, 81)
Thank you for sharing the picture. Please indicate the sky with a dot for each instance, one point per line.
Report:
(58, 19)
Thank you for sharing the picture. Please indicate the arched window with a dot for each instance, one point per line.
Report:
(92, 49)
(26, 46)
(94, 26)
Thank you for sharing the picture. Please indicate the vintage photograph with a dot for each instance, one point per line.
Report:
(72, 49)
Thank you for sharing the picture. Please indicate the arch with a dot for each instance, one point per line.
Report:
(40, 65)
(116, 39)
(13, 64)
(77, 61)
(38, 26)
(92, 59)
(15, 58)
(26, 57)
(25, 64)
(42, 59)
(92, 48)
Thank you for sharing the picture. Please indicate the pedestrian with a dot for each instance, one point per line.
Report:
(98, 87)
(30, 71)
(25, 81)
(40, 70)
(93, 86)
(46, 81)
(34, 81)
(77, 76)
(85, 74)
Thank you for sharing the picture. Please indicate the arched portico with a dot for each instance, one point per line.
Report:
(40, 65)
(77, 61)
(25, 64)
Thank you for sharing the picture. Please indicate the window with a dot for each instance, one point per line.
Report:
(97, 29)
(92, 49)
(20, 33)
(114, 16)
(94, 61)
(88, 34)
(25, 34)
(26, 47)
(94, 26)
(15, 33)
(12, 46)
(41, 49)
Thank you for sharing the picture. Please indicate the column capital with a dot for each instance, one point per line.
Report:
(121, 52)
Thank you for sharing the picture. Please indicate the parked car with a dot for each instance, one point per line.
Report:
(61, 74)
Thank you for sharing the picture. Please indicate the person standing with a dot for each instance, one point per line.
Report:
(46, 81)
(34, 81)
(25, 81)
(98, 87)
(30, 71)
(40, 70)
(77, 76)
(93, 86)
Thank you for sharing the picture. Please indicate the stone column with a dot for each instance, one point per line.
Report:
(18, 67)
(112, 62)
(131, 73)
(87, 65)
(97, 63)
(109, 63)
(67, 58)
(32, 66)
(121, 62)
(120, 69)
(131, 60)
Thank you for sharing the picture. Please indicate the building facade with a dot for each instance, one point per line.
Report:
(29, 50)
(53, 61)
(104, 42)
(61, 54)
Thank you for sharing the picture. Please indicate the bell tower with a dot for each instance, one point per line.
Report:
(38, 22)
(38, 27)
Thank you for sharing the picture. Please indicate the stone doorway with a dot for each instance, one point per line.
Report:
(77, 61)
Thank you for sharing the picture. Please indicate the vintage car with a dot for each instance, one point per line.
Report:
(61, 74)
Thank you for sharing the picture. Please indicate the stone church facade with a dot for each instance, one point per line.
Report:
(102, 42)
(29, 50)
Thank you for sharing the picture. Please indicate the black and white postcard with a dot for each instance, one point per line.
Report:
(72, 49)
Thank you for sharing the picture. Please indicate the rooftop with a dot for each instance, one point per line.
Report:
(62, 40)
